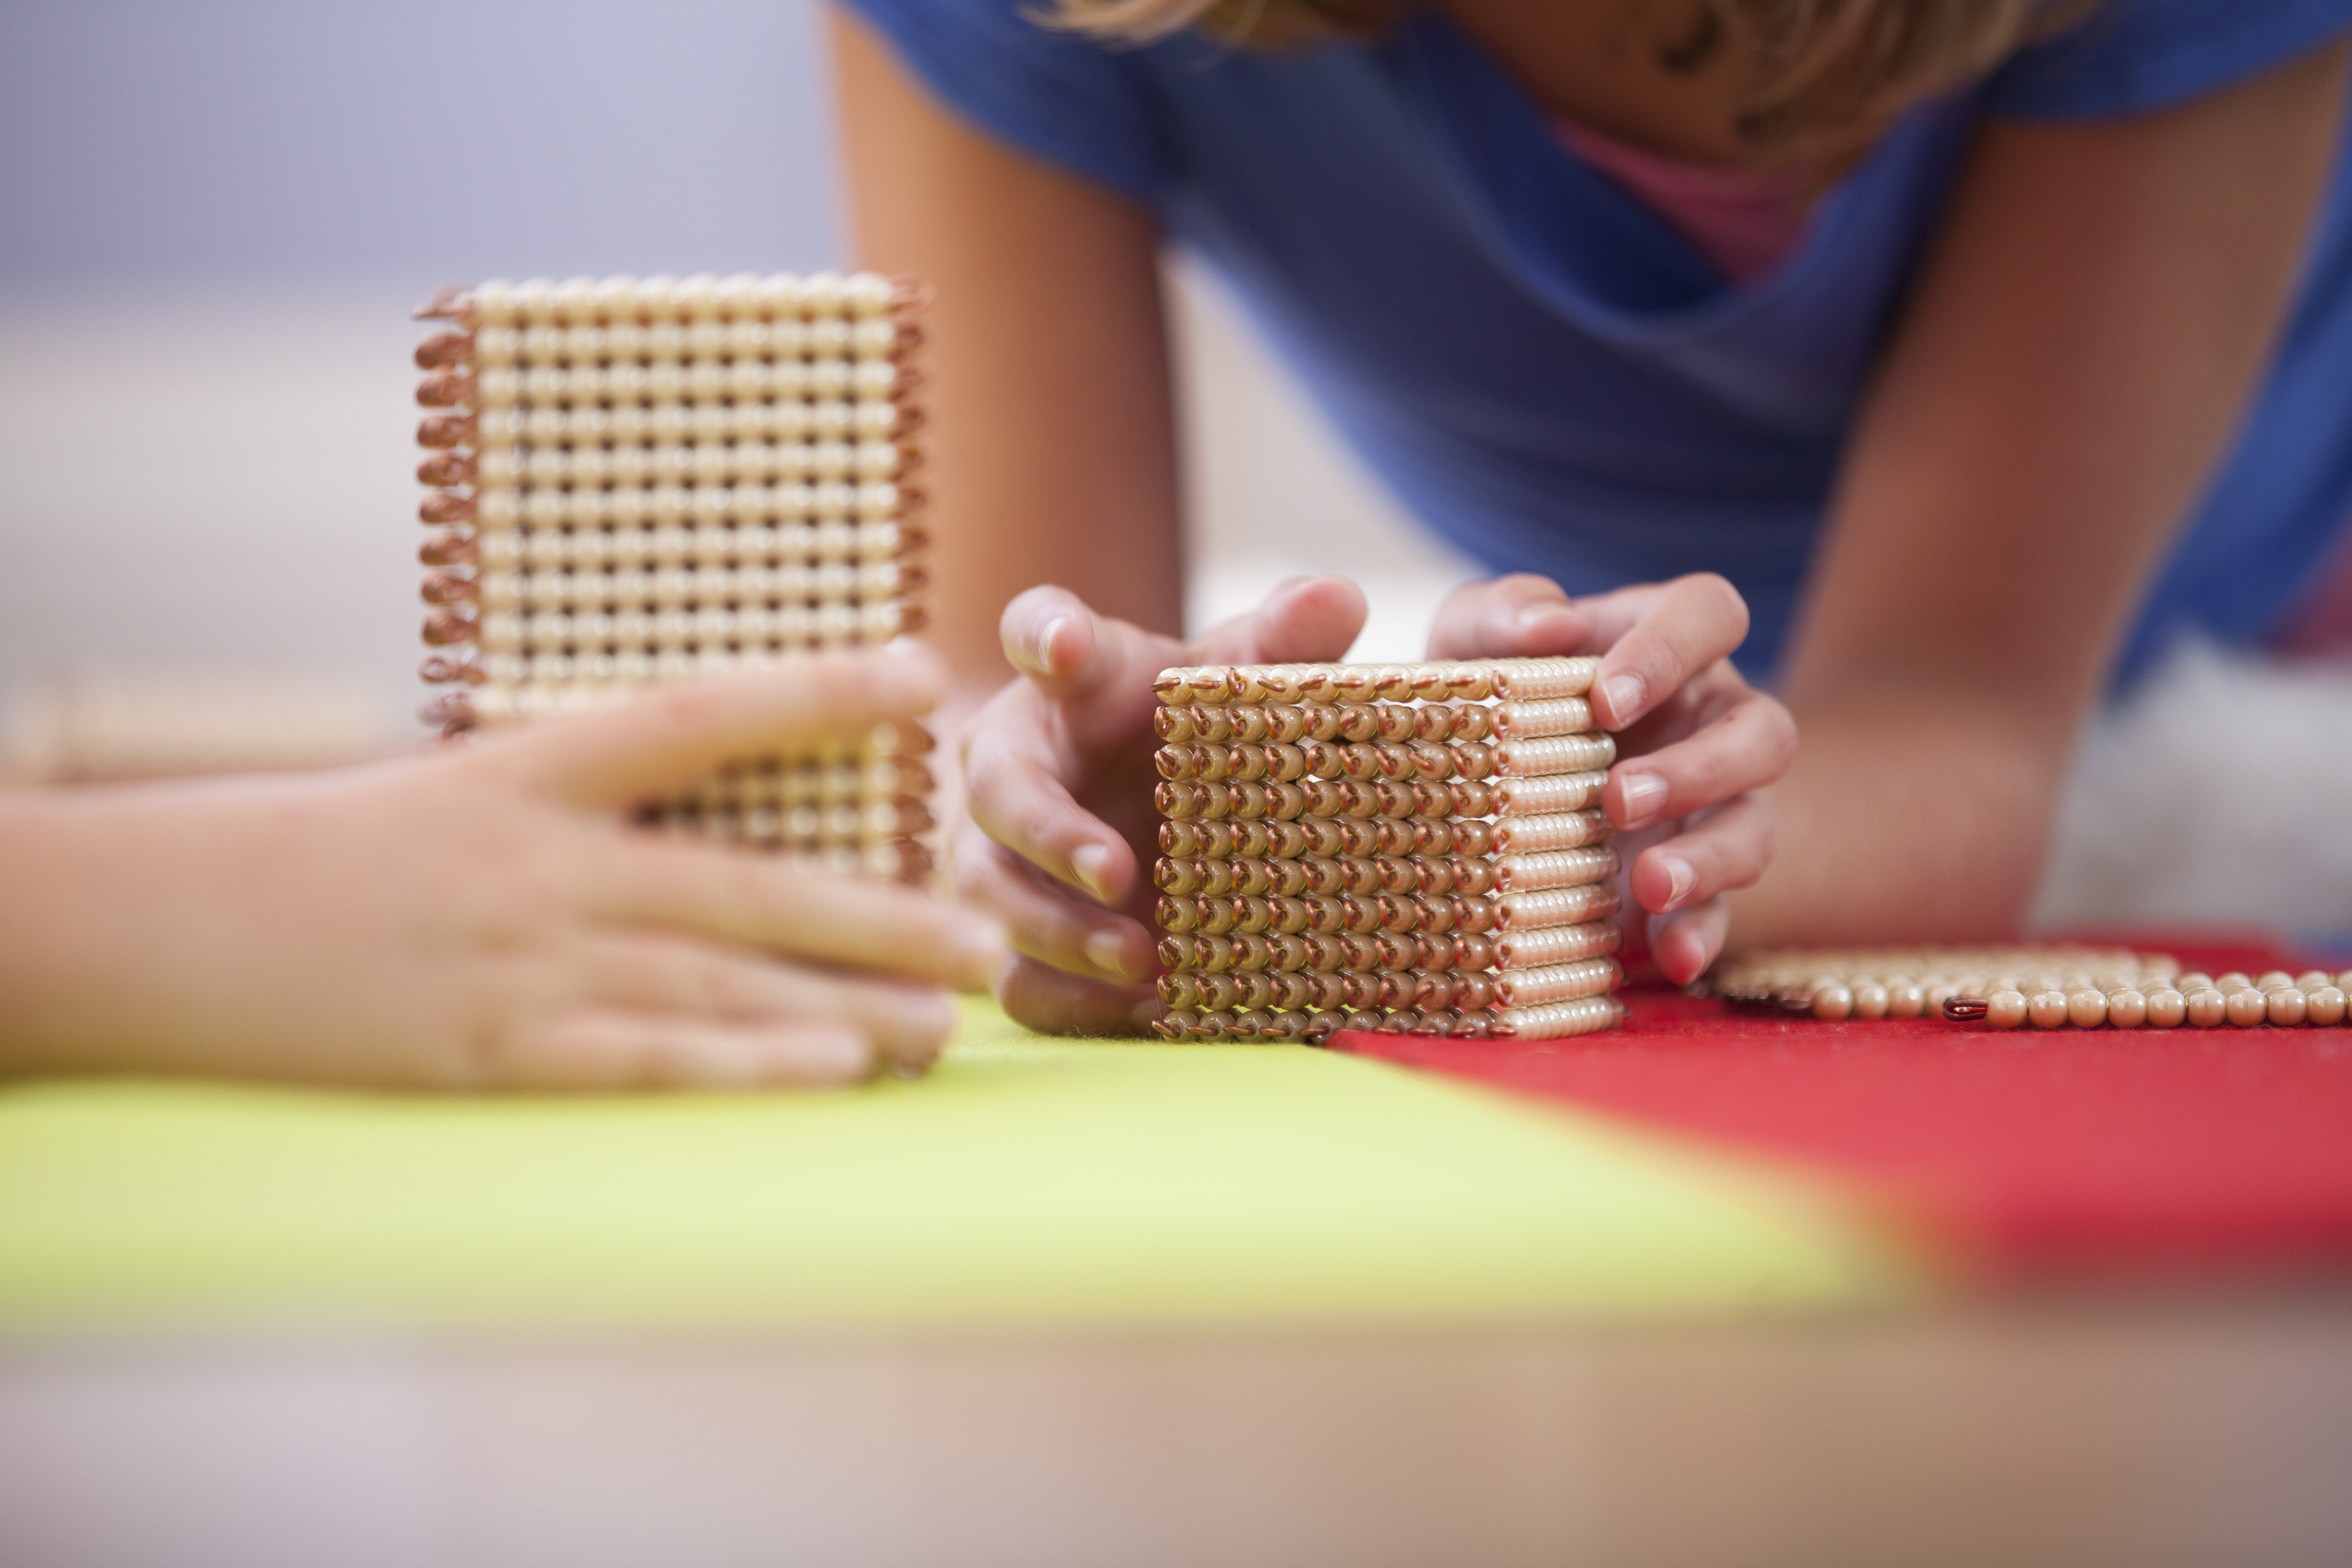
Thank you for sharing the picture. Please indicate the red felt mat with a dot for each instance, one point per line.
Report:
(2031, 1153)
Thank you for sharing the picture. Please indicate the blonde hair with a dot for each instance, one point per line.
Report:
(1811, 68)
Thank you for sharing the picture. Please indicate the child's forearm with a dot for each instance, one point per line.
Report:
(1906, 818)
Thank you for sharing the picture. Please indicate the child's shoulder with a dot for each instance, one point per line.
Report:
(2128, 57)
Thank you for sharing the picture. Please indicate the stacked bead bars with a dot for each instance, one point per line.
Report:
(644, 480)
(2005, 987)
(1401, 847)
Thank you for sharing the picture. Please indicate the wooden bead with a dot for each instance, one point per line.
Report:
(1586, 1016)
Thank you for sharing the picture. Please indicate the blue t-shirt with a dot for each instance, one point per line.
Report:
(1549, 374)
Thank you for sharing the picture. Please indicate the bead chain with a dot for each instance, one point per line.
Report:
(1401, 847)
(637, 481)
(2009, 987)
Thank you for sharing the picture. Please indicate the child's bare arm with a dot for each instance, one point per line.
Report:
(2084, 340)
(482, 918)
(1054, 455)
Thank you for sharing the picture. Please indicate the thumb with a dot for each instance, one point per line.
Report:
(1307, 620)
(625, 753)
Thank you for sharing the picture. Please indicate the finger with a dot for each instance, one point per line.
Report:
(1019, 800)
(1046, 923)
(1096, 669)
(1726, 850)
(624, 752)
(1694, 621)
(612, 1049)
(656, 973)
(1617, 612)
(1521, 615)
(1304, 620)
(1750, 745)
(1040, 997)
(757, 901)
(1683, 943)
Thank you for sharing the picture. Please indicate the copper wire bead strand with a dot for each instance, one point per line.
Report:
(1550, 907)
(1539, 680)
(1555, 946)
(1560, 869)
(1554, 755)
(1560, 793)
(1535, 721)
(1559, 1021)
(445, 628)
(437, 671)
(447, 468)
(449, 709)
(447, 389)
(1553, 831)
(1557, 983)
(445, 430)
(445, 349)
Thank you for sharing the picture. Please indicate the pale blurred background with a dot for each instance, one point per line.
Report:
(213, 218)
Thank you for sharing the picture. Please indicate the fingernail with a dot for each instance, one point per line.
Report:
(1092, 864)
(1643, 792)
(1624, 695)
(1680, 879)
(1108, 952)
(1046, 634)
(931, 1017)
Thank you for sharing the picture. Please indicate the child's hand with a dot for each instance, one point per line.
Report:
(1058, 769)
(1696, 739)
(480, 918)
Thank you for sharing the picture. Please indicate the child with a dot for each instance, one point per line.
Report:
(480, 918)
(1980, 346)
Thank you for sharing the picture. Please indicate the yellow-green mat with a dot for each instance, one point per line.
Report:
(1027, 1178)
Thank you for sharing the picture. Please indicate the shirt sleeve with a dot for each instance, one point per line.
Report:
(2131, 57)
(1055, 95)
